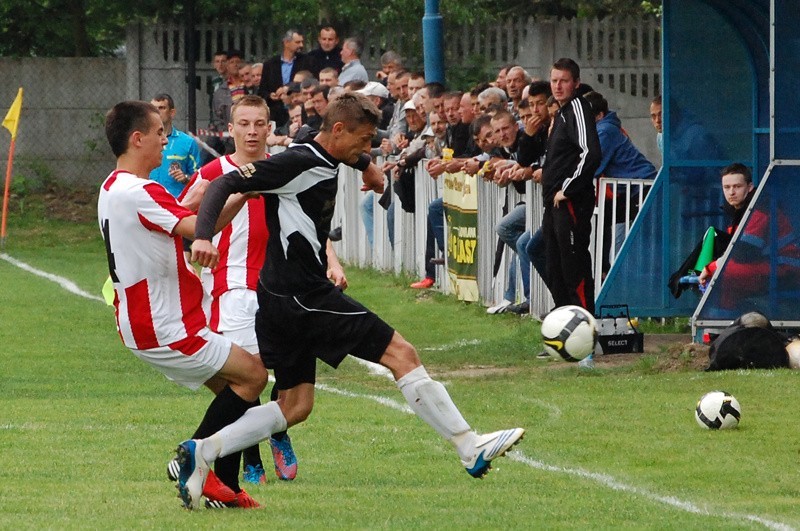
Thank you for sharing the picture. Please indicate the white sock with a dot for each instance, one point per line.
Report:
(431, 402)
(254, 426)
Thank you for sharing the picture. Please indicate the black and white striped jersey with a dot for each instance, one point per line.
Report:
(299, 186)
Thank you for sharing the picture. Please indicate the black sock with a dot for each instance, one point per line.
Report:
(273, 395)
(226, 408)
(252, 456)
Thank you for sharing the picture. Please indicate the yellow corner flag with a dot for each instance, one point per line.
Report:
(11, 121)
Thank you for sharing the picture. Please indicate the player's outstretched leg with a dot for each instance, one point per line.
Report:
(192, 473)
(431, 402)
(489, 446)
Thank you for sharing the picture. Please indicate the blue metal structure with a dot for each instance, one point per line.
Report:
(433, 42)
(721, 104)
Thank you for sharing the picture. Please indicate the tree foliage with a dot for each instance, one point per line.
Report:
(79, 28)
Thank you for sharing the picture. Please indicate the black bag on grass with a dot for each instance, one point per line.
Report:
(747, 347)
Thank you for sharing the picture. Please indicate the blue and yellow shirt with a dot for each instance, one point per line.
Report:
(180, 148)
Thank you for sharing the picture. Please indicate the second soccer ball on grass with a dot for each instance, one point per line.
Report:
(569, 332)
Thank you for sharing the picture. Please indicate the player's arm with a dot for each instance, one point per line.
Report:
(372, 178)
(210, 213)
(187, 226)
(335, 269)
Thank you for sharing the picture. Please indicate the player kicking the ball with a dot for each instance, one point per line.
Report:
(303, 316)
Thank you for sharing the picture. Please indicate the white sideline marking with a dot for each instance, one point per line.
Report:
(375, 369)
(61, 281)
(603, 479)
(452, 346)
(514, 455)
(608, 481)
(388, 402)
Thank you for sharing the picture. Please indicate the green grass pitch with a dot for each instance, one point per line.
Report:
(86, 429)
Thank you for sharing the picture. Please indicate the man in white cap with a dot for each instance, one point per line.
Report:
(378, 94)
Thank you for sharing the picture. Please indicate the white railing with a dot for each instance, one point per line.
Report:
(618, 201)
(410, 231)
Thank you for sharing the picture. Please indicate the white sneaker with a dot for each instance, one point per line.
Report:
(489, 446)
(193, 473)
(587, 362)
(499, 308)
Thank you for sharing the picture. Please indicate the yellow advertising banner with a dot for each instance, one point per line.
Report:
(461, 207)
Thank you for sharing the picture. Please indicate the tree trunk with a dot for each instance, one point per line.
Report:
(80, 36)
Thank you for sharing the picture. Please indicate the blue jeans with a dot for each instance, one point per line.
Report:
(434, 236)
(509, 229)
(368, 216)
(533, 247)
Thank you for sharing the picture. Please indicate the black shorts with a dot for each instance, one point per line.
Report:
(293, 331)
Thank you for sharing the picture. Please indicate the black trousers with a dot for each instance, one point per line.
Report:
(567, 232)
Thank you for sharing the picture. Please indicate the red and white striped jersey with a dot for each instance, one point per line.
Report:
(157, 295)
(242, 243)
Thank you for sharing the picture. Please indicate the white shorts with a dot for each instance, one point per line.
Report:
(233, 315)
(190, 362)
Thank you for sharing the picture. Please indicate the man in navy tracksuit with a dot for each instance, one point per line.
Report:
(573, 156)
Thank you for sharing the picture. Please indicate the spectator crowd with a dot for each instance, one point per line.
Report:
(545, 127)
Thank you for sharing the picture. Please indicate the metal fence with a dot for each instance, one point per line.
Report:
(407, 254)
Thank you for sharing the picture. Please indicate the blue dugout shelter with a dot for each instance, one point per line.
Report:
(731, 76)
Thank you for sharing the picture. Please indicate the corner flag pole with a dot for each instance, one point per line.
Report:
(10, 122)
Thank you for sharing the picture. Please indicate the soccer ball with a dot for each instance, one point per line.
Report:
(793, 349)
(718, 410)
(569, 332)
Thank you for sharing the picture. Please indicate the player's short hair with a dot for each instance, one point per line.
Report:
(233, 52)
(353, 110)
(123, 119)
(453, 95)
(737, 167)
(568, 65)
(163, 96)
(524, 103)
(250, 100)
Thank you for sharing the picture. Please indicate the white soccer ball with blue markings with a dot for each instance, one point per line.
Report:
(718, 410)
(569, 332)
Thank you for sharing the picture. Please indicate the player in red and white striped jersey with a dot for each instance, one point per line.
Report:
(242, 243)
(157, 296)
(230, 287)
